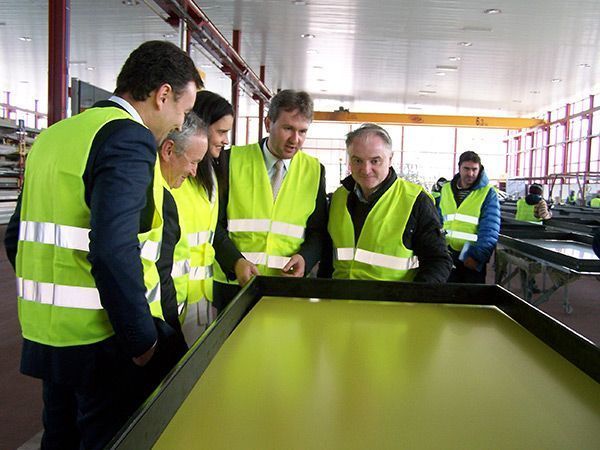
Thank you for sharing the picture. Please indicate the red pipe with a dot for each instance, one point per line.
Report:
(588, 149)
(235, 89)
(210, 38)
(58, 55)
(261, 107)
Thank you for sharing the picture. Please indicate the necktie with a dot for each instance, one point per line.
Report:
(277, 178)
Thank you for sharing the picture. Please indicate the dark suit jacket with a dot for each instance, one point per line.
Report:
(118, 178)
(311, 249)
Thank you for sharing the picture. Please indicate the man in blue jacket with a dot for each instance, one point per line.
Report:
(470, 212)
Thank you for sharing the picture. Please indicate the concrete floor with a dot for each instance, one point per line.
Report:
(20, 396)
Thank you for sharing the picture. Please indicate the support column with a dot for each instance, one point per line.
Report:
(235, 89)
(59, 12)
(588, 142)
(261, 107)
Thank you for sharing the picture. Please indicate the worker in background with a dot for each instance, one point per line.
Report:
(383, 227)
(572, 198)
(436, 189)
(533, 207)
(86, 236)
(470, 213)
(198, 199)
(595, 202)
(179, 155)
(273, 213)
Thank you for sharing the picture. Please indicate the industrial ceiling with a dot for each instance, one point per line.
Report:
(503, 57)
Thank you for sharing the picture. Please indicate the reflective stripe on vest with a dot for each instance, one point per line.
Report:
(201, 237)
(201, 272)
(461, 235)
(462, 218)
(271, 261)
(377, 259)
(57, 295)
(265, 225)
(64, 236)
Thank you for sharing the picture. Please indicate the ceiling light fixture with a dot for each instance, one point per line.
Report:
(453, 58)
(534, 92)
(585, 65)
(477, 29)
(465, 44)
(25, 39)
(321, 79)
(447, 68)
(130, 2)
(299, 2)
(311, 51)
(307, 36)
(169, 35)
(90, 68)
(492, 11)
(556, 80)
(427, 92)
(441, 74)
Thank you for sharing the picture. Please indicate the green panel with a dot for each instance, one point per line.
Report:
(300, 374)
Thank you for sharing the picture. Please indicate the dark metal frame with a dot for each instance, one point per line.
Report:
(514, 239)
(143, 430)
(586, 226)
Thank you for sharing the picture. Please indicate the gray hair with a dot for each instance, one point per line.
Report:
(368, 129)
(192, 126)
(290, 100)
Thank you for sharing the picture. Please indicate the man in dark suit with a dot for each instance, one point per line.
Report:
(84, 241)
(273, 211)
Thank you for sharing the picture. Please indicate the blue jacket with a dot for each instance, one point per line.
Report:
(489, 222)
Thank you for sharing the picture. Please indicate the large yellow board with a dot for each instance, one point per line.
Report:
(300, 374)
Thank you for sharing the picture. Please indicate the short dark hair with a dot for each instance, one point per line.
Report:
(211, 107)
(290, 100)
(153, 64)
(536, 188)
(469, 156)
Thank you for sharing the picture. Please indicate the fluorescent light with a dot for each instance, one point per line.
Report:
(453, 58)
(556, 80)
(307, 36)
(25, 39)
(447, 68)
(492, 11)
(427, 92)
(465, 44)
(311, 51)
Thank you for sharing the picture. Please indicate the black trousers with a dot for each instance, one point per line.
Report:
(88, 415)
(462, 274)
(223, 293)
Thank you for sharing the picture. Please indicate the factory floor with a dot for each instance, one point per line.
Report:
(20, 396)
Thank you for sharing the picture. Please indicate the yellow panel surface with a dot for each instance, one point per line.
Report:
(346, 375)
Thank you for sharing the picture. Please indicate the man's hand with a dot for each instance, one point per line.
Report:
(294, 267)
(145, 357)
(471, 263)
(244, 271)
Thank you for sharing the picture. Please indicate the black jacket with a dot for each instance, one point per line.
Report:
(423, 233)
(311, 249)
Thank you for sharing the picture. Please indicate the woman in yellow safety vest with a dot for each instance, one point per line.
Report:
(218, 114)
